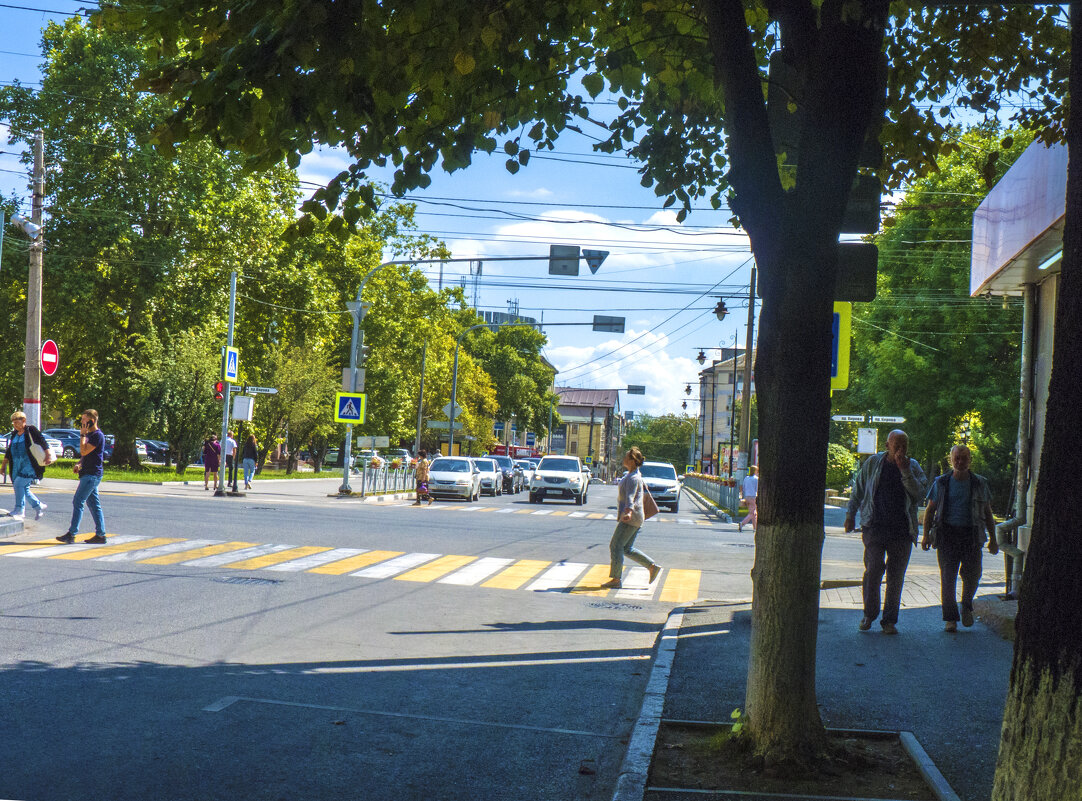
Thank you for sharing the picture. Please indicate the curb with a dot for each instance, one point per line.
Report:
(708, 506)
(10, 528)
(631, 783)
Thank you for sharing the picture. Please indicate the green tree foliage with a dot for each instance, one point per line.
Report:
(923, 349)
(840, 466)
(423, 84)
(662, 438)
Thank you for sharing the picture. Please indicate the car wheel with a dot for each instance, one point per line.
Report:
(579, 500)
(69, 452)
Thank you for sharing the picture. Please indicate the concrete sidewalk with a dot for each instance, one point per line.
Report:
(948, 689)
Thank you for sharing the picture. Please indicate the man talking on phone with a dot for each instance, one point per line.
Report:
(90, 468)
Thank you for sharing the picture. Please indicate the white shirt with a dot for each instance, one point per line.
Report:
(230, 447)
(750, 486)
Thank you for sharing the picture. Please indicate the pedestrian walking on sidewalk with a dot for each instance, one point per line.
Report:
(886, 491)
(630, 517)
(90, 469)
(421, 476)
(24, 468)
(959, 514)
(749, 489)
(248, 456)
(212, 451)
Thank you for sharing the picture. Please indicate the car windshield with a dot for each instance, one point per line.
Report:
(450, 466)
(563, 465)
(504, 462)
(524, 465)
(486, 465)
(658, 471)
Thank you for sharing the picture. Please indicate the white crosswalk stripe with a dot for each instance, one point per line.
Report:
(42, 553)
(316, 559)
(636, 585)
(610, 517)
(685, 522)
(161, 550)
(559, 577)
(577, 514)
(392, 567)
(476, 572)
(544, 511)
(506, 511)
(218, 559)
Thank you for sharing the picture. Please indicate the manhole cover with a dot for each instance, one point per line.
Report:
(612, 605)
(246, 580)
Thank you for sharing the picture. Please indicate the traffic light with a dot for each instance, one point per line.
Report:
(362, 355)
(219, 390)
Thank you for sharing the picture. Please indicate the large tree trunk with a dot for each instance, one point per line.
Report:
(1040, 753)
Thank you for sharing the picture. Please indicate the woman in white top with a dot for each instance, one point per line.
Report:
(630, 516)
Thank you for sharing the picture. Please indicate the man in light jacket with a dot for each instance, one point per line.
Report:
(886, 491)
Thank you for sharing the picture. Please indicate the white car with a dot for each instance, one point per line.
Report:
(491, 477)
(454, 476)
(661, 482)
(57, 447)
(527, 471)
(559, 477)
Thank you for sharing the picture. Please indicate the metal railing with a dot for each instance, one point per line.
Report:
(727, 498)
(385, 479)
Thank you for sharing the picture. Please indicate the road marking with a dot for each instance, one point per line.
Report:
(590, 584)
(272, 559)
(543, 512)
(436, 569)
(595, 516)
(518, 574)
(685, 522)
(610, 517)
(161, 550)
(559, 577)
(352, 563)
(577, 514)
(222, 559)
(42, 553)
(173, 558)
(11, 550)
(637, 586)
(681, 585)
(392, 567)
(113, 549)
(506, 511)
(317, 559)
(560, 514)
(487, 509)
(478, 571)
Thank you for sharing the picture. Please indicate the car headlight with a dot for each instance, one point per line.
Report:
(462, 481)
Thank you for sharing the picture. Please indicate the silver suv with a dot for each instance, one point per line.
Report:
(559, 477)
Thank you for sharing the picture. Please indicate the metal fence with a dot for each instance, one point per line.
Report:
(380, 480)
(727, 498)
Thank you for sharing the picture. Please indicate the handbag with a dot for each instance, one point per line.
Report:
(649, 505)
(37, 453)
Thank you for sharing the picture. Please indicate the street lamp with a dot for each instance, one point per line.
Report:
(720, 311)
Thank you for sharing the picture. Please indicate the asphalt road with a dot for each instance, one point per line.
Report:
(450, 652)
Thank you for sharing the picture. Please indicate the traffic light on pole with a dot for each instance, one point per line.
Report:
(362, 355)
(219, 390)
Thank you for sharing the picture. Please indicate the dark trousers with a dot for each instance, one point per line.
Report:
(958, 553)
(884, 553)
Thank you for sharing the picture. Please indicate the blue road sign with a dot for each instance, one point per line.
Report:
(231, 365)
(531, 439)
(349, 407)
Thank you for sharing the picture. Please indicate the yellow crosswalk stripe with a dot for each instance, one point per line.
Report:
(518, 574)
(523, 512)
(560, 514)
(590, 583)
(26, 546)
(351, 563)
(487, 509)
(269, 559)
(105, 550)
(184, 556)
(437, 569)
(681, 585)
(595, 516)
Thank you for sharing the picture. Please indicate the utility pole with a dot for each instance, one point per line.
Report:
(32, 367)
(745, 410)
(223, 479)
(421, 403)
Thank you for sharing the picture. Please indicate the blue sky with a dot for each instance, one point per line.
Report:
(663, 277)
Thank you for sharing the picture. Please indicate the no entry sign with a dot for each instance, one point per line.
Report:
(50, 357)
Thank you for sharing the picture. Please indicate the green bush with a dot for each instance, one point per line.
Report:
(840, 466)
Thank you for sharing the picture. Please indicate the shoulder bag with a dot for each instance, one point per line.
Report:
(649, 506)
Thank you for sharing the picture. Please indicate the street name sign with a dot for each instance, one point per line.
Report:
(230, 364)
(878, 419)
(260, 391)
(636, 389)
(848, 418)
(349, 407)
(50, 357)
(373, 442)
(443, 425)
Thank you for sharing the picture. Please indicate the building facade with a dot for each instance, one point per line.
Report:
(720, 386)
(591, 428)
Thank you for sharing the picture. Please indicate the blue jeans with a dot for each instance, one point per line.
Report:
(623, 544)
(23, 494)
(87, 493)
(249, 470)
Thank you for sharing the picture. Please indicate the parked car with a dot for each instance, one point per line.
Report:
(369, 458)
(454, 476)
(55, 445)
(527, 468)
(400, 454)
(661, 482)
(491, 476)
(155, 449)
(559, 477)
(69, 439)
(511, 473)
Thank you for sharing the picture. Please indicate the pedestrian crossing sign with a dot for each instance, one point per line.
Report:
(349, 407)
(231, 365)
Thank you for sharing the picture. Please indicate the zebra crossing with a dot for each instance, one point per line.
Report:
(673, 585)
(550, 512)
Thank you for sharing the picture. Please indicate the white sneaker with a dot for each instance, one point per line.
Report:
(19, 516)
(40, 512)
